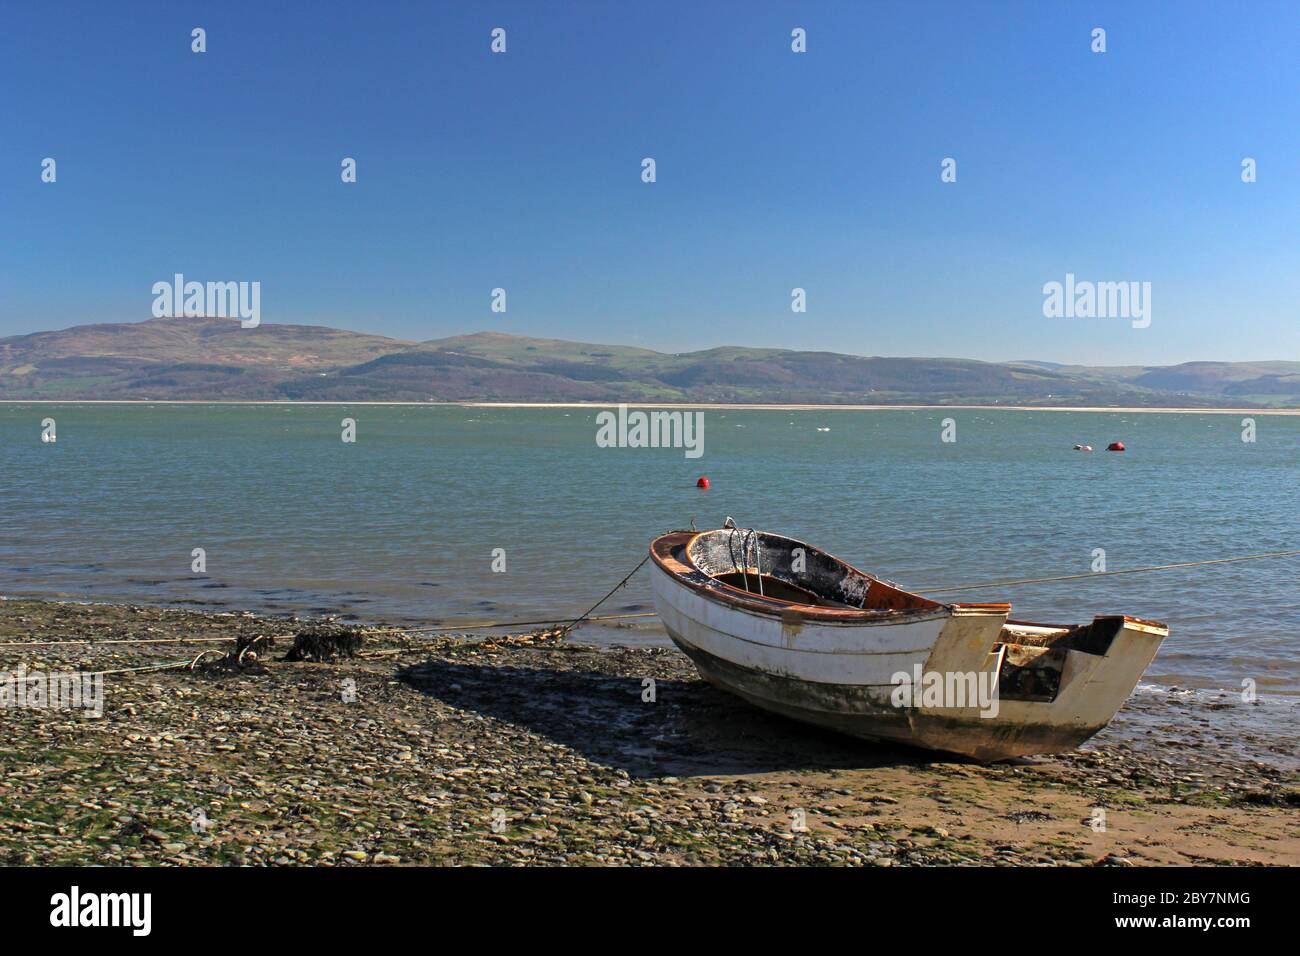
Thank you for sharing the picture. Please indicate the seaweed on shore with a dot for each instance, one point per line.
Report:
(325, 643)
(1269, 798)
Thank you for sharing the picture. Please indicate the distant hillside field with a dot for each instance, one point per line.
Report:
(216, 360)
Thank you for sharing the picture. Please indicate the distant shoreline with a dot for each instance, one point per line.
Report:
(885, 408)
(767, 406)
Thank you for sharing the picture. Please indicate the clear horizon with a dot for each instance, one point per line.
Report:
(775, 170)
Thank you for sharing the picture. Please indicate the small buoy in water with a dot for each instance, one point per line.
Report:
(703, 482)
(1083, 448)
(1115, 446)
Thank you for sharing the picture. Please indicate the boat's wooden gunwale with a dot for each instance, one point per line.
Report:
(661, 552)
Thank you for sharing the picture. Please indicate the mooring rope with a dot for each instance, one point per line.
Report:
(569, 625)
(91, 643)
(487, 625)
(1102, 574)
(10, 679)
(435, 629)
(610, 593)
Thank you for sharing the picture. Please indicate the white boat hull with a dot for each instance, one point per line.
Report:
(843, 674)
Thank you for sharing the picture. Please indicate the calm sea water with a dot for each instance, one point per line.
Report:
(401, 526)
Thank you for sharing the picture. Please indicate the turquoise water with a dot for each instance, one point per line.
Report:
(401, 525)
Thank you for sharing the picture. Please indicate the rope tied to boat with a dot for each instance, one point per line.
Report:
(431, 630)
(171, 665)
(564, 631)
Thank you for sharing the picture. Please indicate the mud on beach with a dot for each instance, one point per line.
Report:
(478, 751)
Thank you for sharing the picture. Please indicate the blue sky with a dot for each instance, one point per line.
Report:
(775, 170)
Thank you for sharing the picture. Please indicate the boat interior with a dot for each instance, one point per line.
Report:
(783, 569)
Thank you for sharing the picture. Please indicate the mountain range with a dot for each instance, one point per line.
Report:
(211, 359)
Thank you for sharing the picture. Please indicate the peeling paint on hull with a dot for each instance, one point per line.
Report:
(833, 665)
(847, 710)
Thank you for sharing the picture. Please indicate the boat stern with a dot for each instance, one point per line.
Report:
(1055, 688)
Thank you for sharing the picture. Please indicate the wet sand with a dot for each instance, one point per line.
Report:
(465, 750)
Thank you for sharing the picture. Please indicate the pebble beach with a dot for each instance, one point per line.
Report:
(473, 750)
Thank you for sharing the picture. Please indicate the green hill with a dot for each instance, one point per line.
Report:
(216, 360)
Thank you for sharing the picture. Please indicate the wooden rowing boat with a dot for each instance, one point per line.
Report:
(801, 633)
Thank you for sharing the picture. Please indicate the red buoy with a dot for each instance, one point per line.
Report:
(703, 482)
(1115, 446)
